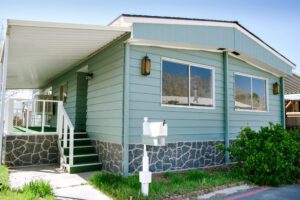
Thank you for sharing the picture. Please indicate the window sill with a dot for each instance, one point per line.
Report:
(255, 111)
(189, 107)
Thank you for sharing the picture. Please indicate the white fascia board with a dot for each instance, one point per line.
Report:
(128, 21)
(13, 22)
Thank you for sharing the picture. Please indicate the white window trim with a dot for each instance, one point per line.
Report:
(189, 65)
(267, 92)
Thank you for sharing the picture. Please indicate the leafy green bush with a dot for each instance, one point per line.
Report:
(268, 156)
(295, 133)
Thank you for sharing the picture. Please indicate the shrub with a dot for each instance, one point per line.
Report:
(267, 156)
(3, 178)
(295, 133)
(38, 189)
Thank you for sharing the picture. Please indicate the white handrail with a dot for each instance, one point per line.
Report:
(65, 122)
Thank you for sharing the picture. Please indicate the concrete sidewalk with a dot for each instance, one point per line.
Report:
(66, 186)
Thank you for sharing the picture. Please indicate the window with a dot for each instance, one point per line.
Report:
(250, 93)
(186, 84)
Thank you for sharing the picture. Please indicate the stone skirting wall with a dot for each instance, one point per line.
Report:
(24, 150)
(176, 156)
(110, 155)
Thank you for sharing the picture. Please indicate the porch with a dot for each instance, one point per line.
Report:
(44, 130)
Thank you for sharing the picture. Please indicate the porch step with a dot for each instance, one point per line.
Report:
(78, 142)
(78, 135)
(83, 159)
(85, 167)
(80, 150)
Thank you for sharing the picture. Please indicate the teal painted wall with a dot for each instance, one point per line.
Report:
(187, 124)
(97, 105)
(145, 96)
(105, 94)
(210, 37)
(70, 105)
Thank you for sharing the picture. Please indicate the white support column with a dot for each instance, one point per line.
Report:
(43, 117)
(3, 92)
(59, 120)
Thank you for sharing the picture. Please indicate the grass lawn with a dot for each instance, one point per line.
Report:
(37, 190)
(165, 184)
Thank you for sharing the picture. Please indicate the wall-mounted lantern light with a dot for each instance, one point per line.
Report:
(89, 76)
(276, 88)
(146, 66)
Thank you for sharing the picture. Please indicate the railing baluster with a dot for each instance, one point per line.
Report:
(27, 119)
(71, 149)
(43, 116)
(65, 132)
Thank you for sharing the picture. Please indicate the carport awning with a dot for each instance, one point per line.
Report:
(40, 51)
(292, 84)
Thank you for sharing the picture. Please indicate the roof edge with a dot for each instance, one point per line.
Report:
(44, 24)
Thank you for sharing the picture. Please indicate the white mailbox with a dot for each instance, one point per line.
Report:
(157, 131)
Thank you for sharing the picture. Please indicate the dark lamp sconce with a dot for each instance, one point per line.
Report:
(89, 76)
(276, 88)
(146, 66)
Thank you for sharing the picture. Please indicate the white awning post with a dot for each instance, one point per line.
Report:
(3, 92)
(43, 117)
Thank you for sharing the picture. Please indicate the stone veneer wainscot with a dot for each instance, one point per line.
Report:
(33, 149)
(176, 156)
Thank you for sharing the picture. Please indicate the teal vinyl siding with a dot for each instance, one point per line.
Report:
(255, 120)
(105, 94)
(188, 124)
(70, 105)
(185, 124)
(209, 37)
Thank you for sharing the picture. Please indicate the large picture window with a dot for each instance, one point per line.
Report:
(185, 84)
(250, 93)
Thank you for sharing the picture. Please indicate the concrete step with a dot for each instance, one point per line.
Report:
(85, 167)
(83, 159)
(78, 142)
(81, 150)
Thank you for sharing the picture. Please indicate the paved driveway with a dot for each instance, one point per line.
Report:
(290, 192)
(66, 186)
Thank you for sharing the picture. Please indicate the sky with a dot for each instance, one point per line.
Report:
(277, 22)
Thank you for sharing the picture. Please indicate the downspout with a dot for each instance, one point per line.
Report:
(125, 138)
(226, 105)
(282, 102)
(3, 92)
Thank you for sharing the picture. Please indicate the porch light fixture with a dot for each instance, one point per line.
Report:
(276, 88)
(146, 66)
(89, 76)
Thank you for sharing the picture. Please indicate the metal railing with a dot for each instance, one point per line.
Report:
(28, 113)
(25, 113)
(64, 127)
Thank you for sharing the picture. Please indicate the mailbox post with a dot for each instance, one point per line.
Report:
(157, 133)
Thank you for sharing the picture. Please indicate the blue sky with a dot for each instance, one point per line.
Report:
(274, 21)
